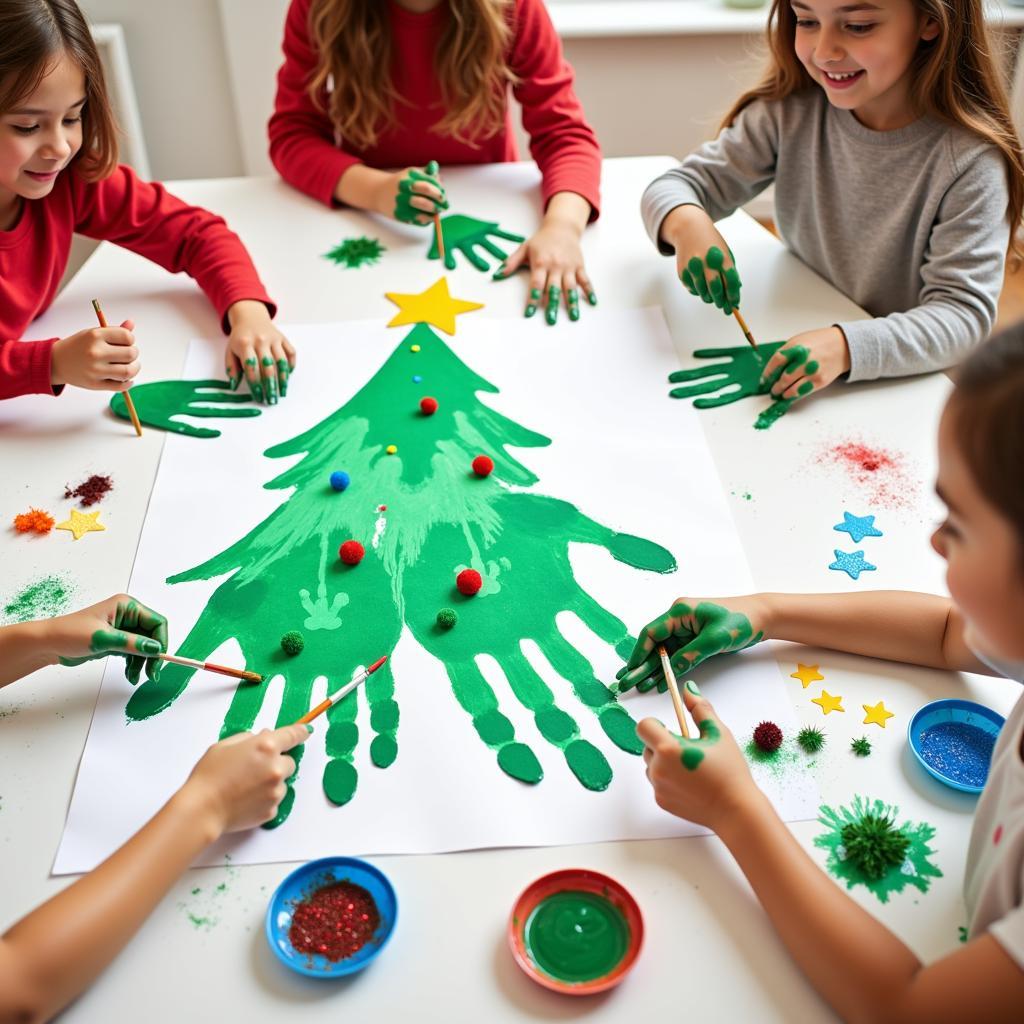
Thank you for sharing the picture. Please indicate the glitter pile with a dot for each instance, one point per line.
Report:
(90, 491)
(335, 922)
(959, 751)
(35, 520)
(881, 474)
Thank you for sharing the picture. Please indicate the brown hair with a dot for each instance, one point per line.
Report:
(352, 40)
(955, 78)
(988, 413)
(33, 35)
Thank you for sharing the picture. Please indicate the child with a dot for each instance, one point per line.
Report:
(59, 175)
(51, 955)
(981, 451)
(898, 177)
(374, 84)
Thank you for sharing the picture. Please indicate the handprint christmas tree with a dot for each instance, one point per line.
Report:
(422, 516)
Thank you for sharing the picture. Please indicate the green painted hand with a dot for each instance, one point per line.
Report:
(417, 184)
(691, 632)
(465, 234)
(740, 372)
(711, 281)
(160, 402)
(523, 555)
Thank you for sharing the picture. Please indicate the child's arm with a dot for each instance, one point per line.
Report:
(862, 970)
(53, 954)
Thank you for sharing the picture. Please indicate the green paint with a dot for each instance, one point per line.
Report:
(130, 616)
(576, 936)
(404, 210)
(572, 299)
(774, 412)
(916, 869)
(551, 311)
(352, 253)
(692, 687)
(793, 358)
(283, 372)
(962, 933)
(708, 280)
(777, 764)
(861, 746)
(160, 402)
(270, 380)
(440, 519)
(691, 757)
(44, 598)
(692, 751)
(811, 368)
(811, 739)
(467, 235)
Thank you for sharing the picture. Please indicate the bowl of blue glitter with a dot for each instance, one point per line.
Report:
(953, 740)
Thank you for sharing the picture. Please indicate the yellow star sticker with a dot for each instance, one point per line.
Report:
(807, 674)
(828, 703)
(435, 306)
(876, 715)
(82, 523)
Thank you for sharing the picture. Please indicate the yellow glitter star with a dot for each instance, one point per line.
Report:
(876, 715)
(828, 703)
(807, 674)
(82, 523)
(435, 306)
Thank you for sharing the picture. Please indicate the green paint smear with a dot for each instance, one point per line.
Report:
(917, 870)
(161, 402)
(780, 763)
(45, 598)
(470, 236)
(576, 936)
(356, 252)
(285, 574)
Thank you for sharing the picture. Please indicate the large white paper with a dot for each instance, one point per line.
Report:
(622, 452)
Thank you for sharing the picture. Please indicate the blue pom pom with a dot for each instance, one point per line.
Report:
(339, 480)
(417, 379)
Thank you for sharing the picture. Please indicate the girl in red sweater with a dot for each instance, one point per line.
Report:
(368, 85)
(59, 175)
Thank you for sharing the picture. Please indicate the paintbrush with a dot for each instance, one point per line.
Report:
(438, 233)
(209, 666)
(127, 394)
(746, 330)
(670, 680)
(343, 692)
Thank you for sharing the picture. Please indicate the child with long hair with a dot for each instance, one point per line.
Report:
(368, 86)
(59, 176)
(864, 971)
(898, 177)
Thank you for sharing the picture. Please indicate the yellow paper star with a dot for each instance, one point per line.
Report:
(876, 715)
(828, 703)
(435, 306)
(82, 523)
(807, 674)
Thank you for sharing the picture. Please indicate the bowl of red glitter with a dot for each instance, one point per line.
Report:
(953, 740)
(331, 917)
(576, 931)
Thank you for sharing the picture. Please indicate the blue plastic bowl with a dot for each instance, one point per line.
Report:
(966, 712)
(301, 884)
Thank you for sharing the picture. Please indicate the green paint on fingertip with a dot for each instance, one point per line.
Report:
(806, 388)
(693, 687)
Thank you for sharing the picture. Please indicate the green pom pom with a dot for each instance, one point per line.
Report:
(292, 643)
(447, 617)
(811, 739)
(861, 747)
(874, 845)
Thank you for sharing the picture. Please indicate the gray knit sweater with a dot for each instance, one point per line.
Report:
(911, 224)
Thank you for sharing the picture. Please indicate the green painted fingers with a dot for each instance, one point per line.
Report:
(554, 297)
(531, 305)
(572, 299)
(467, 235)
(737, 376)
(691, 634)
(404, 210)
(795, 356)
(709, 279)
(283, 372)
(269, 380)
(692, 751)
(134, 628)
(160, 403)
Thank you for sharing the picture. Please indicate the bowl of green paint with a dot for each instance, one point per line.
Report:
(576, 931)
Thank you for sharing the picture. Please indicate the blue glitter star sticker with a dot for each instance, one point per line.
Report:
(858, 527)
(851, 562)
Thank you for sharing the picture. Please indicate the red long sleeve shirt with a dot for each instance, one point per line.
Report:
(305, 151)
(136, 214)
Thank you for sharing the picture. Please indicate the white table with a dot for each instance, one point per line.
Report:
(448, 960)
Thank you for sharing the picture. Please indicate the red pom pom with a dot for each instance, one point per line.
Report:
(428, 406)
(768, 736)
(351, 552)
(483, 465)
(469, 581)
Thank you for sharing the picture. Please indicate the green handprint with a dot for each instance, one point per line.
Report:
(463, 233)
(691, 634)
(160, 402)
(525, 551)
(724, 287)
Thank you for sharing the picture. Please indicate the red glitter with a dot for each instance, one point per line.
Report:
(768, 736)
(469, 582)
(881, 473)
(483, 465)
(35, 520)
(90, 491)
(335, 922)
(351, 552)
(428, 406)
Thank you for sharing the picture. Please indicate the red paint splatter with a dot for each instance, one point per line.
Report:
(880, 472)
(997, 835)
(335, 922)
(35, 520)
(90, 491)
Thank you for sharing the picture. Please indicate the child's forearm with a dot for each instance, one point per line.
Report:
(360, 187)
(568, 208)
(23, 650)
(56, 951)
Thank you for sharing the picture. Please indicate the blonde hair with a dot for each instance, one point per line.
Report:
(352, 40)
(955, 79)
(33, 36)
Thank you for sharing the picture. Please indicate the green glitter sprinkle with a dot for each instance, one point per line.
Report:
(356, 252)
(861, 746)
(44, 599)
(447, 617)
(292, 643)
(811, 739)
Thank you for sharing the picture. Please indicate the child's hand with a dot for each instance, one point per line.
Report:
(256, 345)
(119, 625)
(702, 780)
(241, 780)
(412, 196)
(98, 358)
(807, 363)
(704, 260)
(693, 631)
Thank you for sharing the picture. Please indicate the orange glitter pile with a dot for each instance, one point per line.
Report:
(35, 520)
